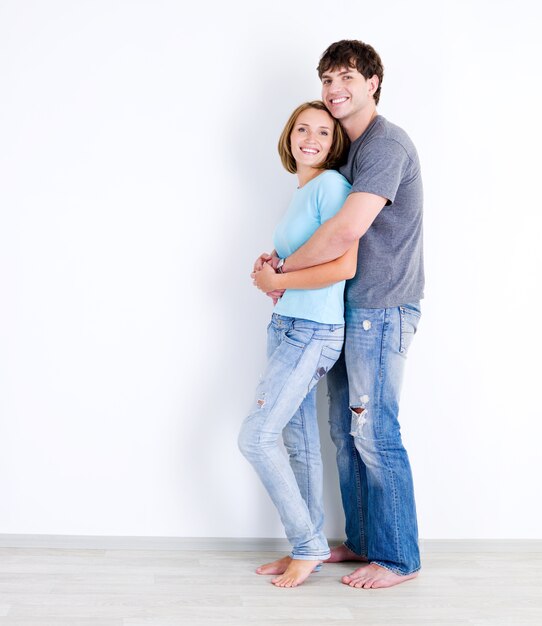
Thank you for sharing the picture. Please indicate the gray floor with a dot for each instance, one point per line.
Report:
(469, 583)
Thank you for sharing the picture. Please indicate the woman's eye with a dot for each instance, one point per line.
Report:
(325, 133)
(301, 130)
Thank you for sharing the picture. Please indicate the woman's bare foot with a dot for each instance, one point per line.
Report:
(338, 555)
(373, 576)
(276, 567)
(296, 573)
(342, 553)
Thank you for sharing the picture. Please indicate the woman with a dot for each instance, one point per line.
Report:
(305, 338)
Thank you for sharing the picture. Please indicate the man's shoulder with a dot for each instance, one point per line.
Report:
(382, 138)
(386, 131)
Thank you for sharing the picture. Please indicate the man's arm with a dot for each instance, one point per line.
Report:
(339, 233)
(311, 277)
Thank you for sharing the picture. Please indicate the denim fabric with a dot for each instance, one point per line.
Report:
(300, 352)
(374, 470)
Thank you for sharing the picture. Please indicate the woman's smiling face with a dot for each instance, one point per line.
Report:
(312, 137)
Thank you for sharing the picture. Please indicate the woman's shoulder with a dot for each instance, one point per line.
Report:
(332, 184)
(333, 179)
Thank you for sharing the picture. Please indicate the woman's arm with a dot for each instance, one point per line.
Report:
(314, 277)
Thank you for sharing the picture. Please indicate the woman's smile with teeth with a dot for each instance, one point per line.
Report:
(310, 150)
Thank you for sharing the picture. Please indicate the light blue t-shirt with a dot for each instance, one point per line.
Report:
(312, 205)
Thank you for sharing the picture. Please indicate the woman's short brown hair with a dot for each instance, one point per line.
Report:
(339, 147)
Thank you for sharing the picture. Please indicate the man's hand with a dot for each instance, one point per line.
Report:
(264, 257)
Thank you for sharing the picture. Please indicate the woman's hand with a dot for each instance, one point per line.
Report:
(275, 295)
(265, 258)
(265, 279)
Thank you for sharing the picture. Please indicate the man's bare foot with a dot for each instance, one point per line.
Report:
(342, 553)
(296, 573)
(373, 576)
(276, 567)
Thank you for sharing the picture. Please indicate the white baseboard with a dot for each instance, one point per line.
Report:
(238, 544)
(95, 542)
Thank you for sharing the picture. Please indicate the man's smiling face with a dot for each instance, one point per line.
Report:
(346, 92)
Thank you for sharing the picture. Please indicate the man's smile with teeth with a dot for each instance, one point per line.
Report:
(339, 100)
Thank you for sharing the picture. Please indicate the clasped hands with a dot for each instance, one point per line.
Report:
(264, 275)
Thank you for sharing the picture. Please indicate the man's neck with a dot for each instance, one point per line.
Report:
(358, 124)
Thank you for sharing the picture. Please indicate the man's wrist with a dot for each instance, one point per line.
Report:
(278, 281)
(280, 265)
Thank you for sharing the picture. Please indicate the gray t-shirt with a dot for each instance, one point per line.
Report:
(383, 161)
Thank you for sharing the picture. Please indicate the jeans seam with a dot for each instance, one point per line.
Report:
(377, 404)
(385, 324)
(307, 464)
(401, 329)
(383, 368)
(398, 550)
(359, 504)
(351, 547)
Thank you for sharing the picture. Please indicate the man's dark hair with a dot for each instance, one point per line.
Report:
(353, 53)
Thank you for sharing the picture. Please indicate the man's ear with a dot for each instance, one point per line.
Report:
(373, 84)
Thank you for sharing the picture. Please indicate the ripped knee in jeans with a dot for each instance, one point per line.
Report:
(359, 417)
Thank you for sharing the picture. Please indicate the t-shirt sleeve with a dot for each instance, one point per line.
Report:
(380, 167)
(331, 196)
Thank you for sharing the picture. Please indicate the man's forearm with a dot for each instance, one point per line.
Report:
(338, 234)
(325, 245)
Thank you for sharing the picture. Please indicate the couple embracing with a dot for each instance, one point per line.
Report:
(355, 216)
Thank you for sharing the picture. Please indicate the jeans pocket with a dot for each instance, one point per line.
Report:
(328, 357)
(410, 317)
(331, 353)
(298, 337)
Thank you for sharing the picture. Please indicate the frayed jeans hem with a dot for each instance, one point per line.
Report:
(395, 570)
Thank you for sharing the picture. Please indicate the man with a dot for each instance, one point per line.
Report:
(384, 211)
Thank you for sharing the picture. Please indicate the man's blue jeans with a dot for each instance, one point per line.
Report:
(300, 352)
(374, 470)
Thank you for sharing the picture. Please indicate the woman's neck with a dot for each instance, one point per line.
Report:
(306, 174)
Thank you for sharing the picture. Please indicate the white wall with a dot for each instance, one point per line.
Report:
(138, 181)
